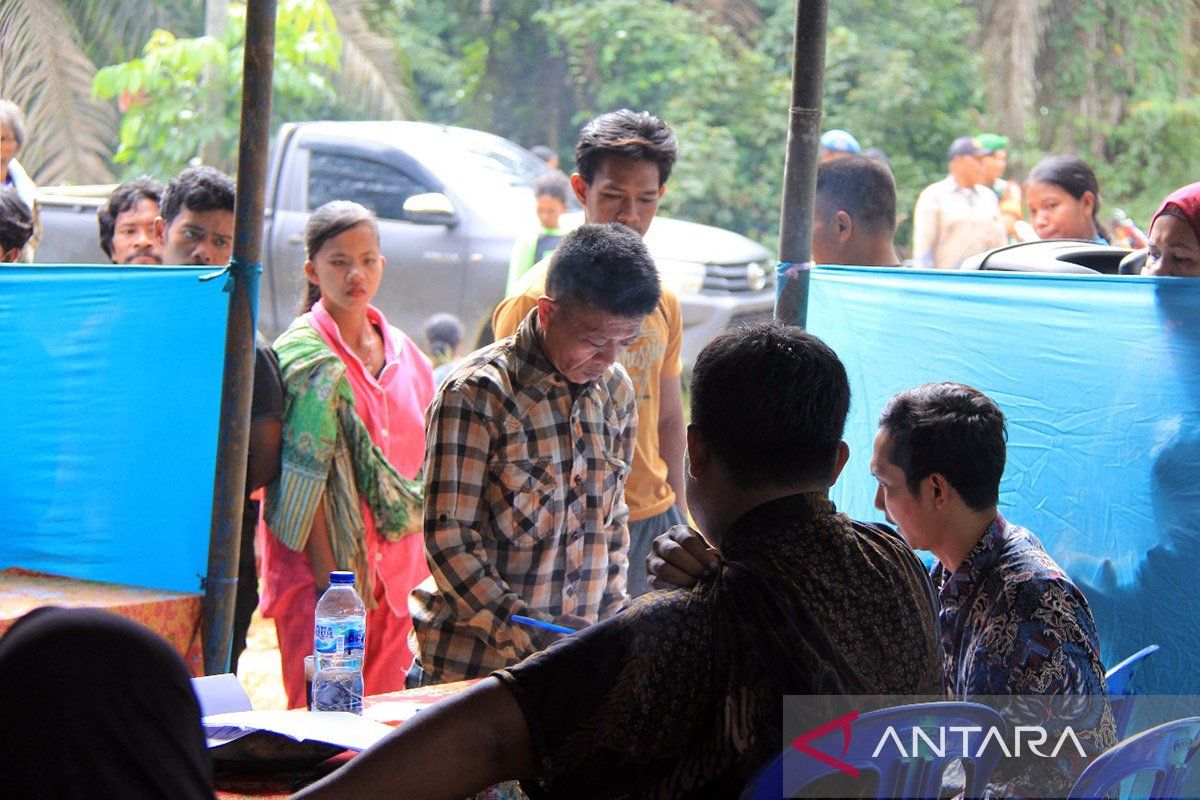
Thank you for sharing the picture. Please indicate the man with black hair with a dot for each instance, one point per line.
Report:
(128, 223)
(679, 696)
(529, 445)
(855, 219)
(16, 225)
(196, 226)
(1012, 621)
(624, 159)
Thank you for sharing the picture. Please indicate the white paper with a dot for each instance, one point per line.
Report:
(339, 728)
(220, 694)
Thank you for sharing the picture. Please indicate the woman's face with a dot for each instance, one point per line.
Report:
(1174, 250)
(8, 147)
(348, 269)
(1057, 215)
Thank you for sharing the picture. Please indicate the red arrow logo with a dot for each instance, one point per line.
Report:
(843, 722)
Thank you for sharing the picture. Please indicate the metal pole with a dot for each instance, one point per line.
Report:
(229, 489)
(800, 169)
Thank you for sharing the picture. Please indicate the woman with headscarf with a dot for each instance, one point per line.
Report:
(12, 139)
(1175, 235)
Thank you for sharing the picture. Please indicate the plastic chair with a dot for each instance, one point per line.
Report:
(898, 776)
(1120, 683)
(1166, 751)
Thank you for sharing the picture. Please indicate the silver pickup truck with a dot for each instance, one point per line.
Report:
(450, 202)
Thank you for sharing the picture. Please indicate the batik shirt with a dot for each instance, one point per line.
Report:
(1013, 623)
(679, 696)
(524, 508)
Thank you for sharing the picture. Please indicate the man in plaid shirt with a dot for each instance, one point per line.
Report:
(529, 446)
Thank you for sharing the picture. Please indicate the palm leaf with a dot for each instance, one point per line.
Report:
(374, 77)
(116, 30)
(70, 135)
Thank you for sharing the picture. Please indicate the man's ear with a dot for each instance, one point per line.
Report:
(941, 489)
(160, 229)
(547, 310)
(843, 455)
(579, 185)
(10, 256)
(698, 453)
(844, 225)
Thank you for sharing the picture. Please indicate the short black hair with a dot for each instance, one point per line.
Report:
(771, 401)
(861, 186)
(16, 221)
(554, 183)
(604, 267)
(123, 198)
(637, 135)
(951, 429)
(200, 188)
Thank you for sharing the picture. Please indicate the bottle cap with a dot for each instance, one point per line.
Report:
(341, 578)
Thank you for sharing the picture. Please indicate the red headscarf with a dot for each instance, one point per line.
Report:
(1184, 203)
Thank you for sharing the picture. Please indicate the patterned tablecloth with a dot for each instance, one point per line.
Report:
(393, 708)
(173, 615)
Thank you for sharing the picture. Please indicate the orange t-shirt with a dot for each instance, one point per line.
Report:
(653, 358)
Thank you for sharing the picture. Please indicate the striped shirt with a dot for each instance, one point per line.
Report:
(524, 509)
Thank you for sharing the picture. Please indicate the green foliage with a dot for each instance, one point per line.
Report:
(182, 93)
(902, 77)
(724, 101)
(1156, 155)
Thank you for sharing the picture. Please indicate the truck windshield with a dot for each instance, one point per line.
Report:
(480, 158)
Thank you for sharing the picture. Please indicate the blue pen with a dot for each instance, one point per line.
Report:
(537, 623)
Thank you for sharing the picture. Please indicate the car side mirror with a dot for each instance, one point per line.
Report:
(431, 208)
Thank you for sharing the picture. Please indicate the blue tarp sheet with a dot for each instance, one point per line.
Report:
(111, 379)
(1099, 378)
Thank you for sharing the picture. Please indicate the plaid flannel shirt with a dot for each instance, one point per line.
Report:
(524, 508)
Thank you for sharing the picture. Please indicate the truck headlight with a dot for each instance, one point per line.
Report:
(681, 277)
(756, 276)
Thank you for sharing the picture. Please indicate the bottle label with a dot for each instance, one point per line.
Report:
(339, 637)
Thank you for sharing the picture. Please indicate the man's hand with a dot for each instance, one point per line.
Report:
(679, 558)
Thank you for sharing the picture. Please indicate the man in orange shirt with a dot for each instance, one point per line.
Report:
(623, 160)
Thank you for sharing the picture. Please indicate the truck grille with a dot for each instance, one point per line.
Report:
(737, 277)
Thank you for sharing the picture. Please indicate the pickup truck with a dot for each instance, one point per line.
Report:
(450, 201)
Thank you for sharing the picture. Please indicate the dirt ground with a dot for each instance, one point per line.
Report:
(258, 668)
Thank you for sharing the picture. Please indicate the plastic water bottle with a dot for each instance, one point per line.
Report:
(338, 684)
(341, 622)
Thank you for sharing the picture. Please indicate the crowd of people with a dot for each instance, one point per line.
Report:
(544, 476)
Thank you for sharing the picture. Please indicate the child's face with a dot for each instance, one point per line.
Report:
(549, 209)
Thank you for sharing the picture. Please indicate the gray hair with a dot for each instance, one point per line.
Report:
(12, 118)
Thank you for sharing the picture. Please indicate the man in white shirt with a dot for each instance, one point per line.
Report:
(957, 217)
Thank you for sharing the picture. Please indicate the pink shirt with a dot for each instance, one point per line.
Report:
(392, 406)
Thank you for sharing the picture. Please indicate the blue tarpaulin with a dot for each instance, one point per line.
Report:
(111, 379)
(1099, 378)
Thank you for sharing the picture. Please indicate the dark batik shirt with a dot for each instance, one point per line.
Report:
(679, 696)
(1013, 623)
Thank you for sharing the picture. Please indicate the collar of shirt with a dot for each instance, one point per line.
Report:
(782, 512)
(327, 326)
(974, 569)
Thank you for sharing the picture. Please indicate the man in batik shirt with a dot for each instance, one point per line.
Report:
(1012, 621)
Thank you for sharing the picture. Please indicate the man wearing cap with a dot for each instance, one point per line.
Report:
(837, 144)
(995, 162)
(957, 217)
